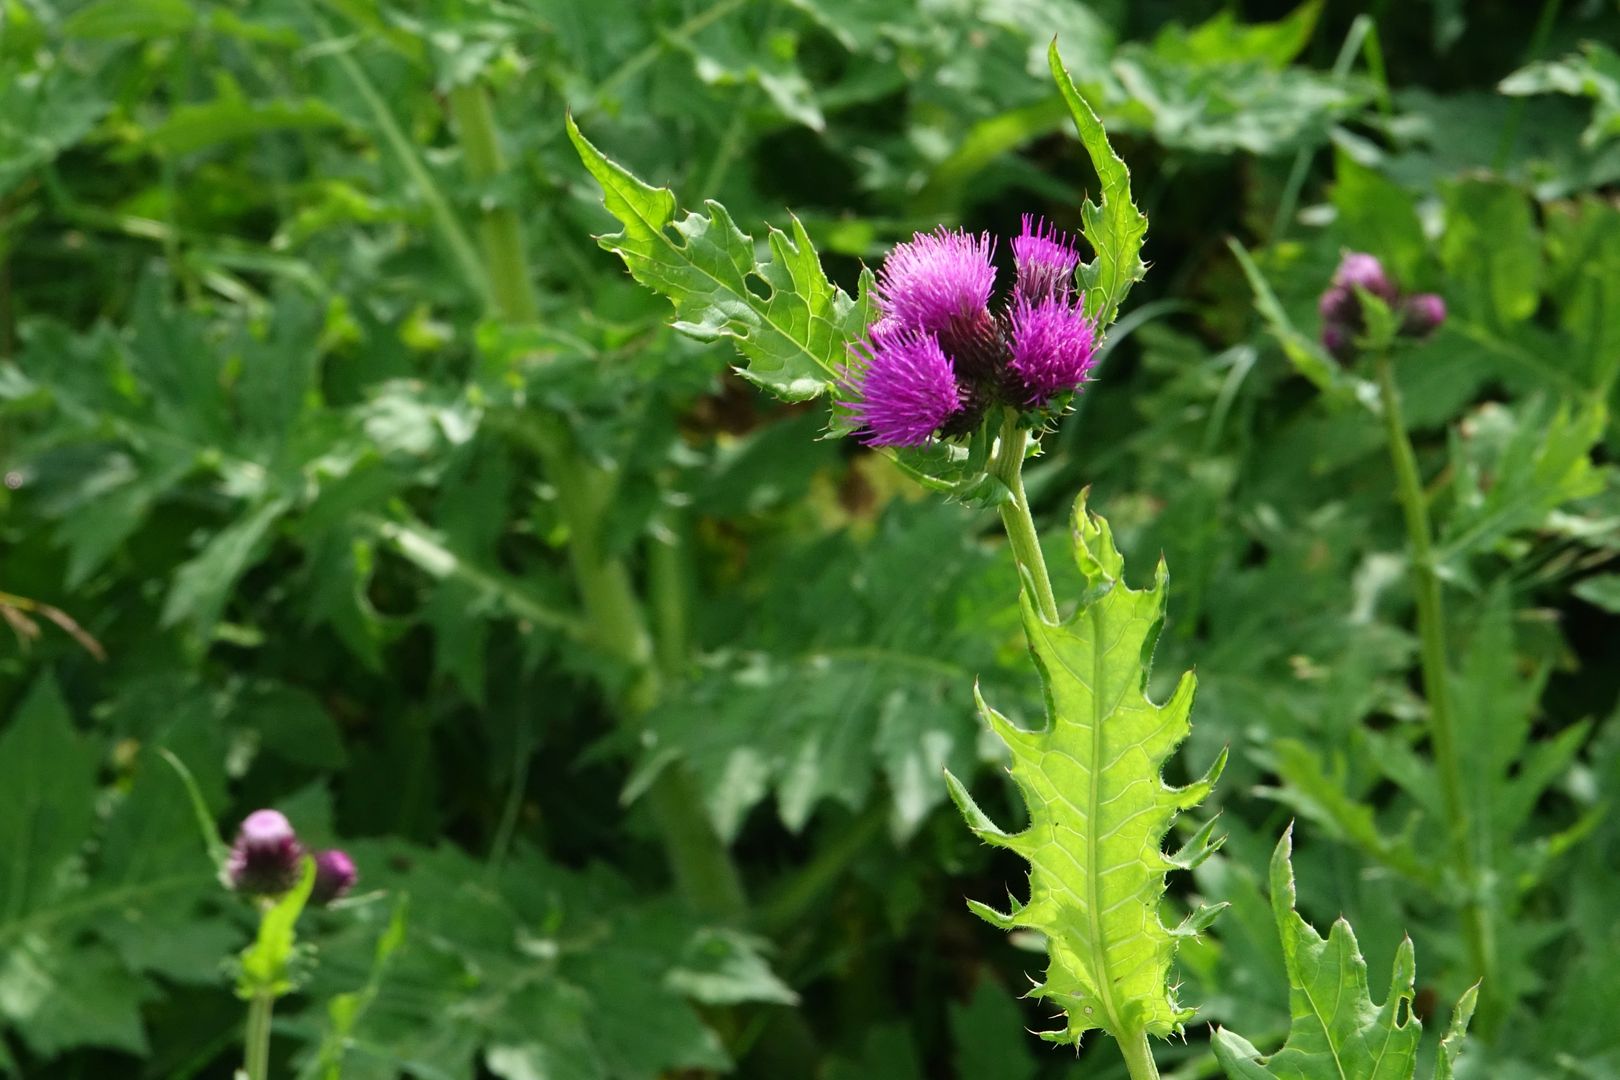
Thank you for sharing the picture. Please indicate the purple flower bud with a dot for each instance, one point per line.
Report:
(934, 278)
(335, 875)
(1045, 258)
(902, 388)
(265, 859)
(1359, 270)
(1340, 341)
(1423, 314)
(1053, 347)
(1339, 304)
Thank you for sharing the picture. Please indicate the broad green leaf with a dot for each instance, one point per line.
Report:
(1592, 73)
(1114, 228)
(989, 1035)
(203, 585)
(230, 117)
(48, 775)
(1098, 806)
(1492, 250)
(1337, 1032)
(790, 323)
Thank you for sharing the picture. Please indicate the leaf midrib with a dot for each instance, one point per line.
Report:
(1105, 987)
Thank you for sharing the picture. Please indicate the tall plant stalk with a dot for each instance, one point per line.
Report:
(256, 1040)
(1431, 618)
(699, 861)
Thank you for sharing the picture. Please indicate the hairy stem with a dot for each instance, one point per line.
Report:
(256, 1041)
(699, 861)
(1008, 466)
(1432, 639)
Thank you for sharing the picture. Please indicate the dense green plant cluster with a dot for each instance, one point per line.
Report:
(346, 474)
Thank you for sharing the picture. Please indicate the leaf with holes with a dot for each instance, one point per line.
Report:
(1337, 1032)
(793, 336)
(1098, 807)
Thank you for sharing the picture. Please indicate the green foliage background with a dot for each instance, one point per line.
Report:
(332, 443)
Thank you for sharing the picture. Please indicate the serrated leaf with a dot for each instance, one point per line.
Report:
(790, 323)
(1098, 806)
(1114, 228)
(1337, 1032)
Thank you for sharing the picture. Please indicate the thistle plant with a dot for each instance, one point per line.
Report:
(926, 365)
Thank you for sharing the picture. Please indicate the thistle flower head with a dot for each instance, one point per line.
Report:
(1053, 347)
(1046, 259)
(335, 875)
(902, 389)
(266, 857)
(934, 278)
(1423, 314)
(1357, 269)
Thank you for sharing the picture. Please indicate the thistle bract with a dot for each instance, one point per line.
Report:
(265, 858)
(938, 358)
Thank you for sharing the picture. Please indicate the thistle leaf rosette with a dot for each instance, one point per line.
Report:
(1098, 805)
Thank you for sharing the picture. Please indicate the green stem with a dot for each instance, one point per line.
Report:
(698, 859)
(256, 1049)
(1138, 1056)
(1432, 640)
(1008, 466)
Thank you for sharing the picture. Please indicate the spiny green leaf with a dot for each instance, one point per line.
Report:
(1337, 1033)
(1098, 806)
(1114, 228)
(267, 963)
(793, 332)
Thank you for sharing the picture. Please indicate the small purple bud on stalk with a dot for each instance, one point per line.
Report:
(1340, 341)
(1046, 260)
(335, 875)
(266, 858)
(936, 278)
(1339, 304)
(1359, 270)
(1053, 347)
(902, 388)
(1423, 314)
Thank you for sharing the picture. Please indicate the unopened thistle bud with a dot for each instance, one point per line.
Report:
(266, 858)
(1423, 314)
(1344, 319)
(335, 875)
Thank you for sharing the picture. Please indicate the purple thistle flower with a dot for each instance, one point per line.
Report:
(1045, 258)
(1357, 269)
(335, 875)
(1423, 314)
(1053, 347)
(266, 858)
(935, 278)
(902, 388)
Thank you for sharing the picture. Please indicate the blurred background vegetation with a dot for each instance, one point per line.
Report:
(341, 463)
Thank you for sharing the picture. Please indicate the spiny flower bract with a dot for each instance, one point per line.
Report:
(937, 359)
(266, 857)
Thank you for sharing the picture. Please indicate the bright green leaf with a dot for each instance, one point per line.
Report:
(1098, 807)
(1115, 228)
(1337, 1032)
(783, 315)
